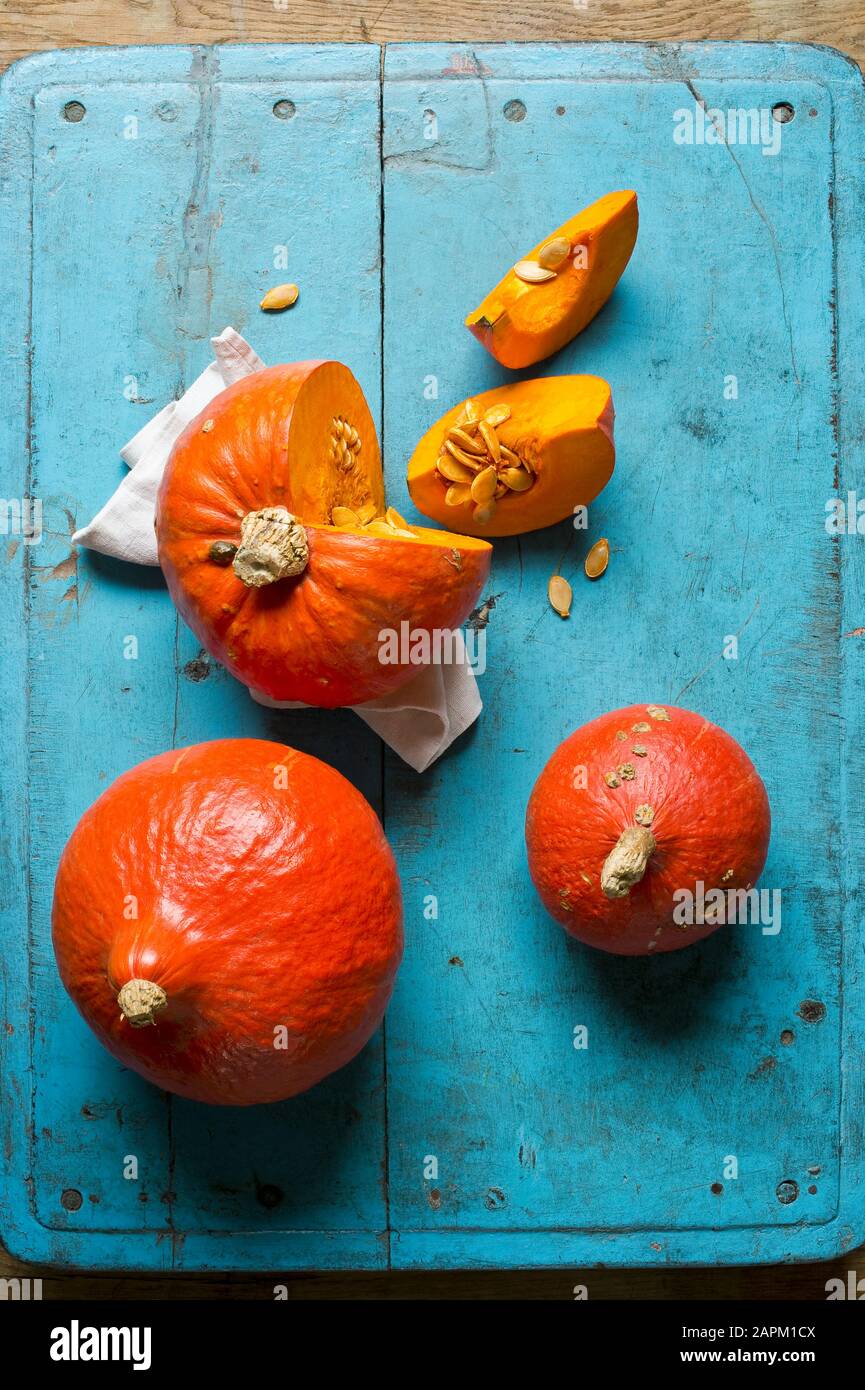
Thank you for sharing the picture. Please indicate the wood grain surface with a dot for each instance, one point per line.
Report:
(44, 24)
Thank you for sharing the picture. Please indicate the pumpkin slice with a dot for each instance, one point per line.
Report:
(281, 556)
(547, 298)
(516, 458)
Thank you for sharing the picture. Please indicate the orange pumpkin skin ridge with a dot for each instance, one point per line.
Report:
(313, 638)
(259, 907)
(711, 816)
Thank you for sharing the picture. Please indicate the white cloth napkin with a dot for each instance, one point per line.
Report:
(418, 721)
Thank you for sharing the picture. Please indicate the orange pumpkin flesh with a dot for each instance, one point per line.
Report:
(522, 323)
(299, 439)
(239, 901)
(561, 426)
(613, 832)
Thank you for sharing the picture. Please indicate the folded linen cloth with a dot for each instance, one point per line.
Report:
(418, 721)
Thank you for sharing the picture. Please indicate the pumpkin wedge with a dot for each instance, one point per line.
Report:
(516, 458)
(279, 551)
(547, 298)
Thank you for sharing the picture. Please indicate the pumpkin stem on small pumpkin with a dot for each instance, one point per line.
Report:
(627, 863)
(273, 546)
(139, 1000)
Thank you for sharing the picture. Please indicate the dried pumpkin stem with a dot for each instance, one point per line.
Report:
(627, 863)
(140, 1000)
(273, 546)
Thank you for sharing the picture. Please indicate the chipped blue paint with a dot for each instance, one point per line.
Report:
(127, 252)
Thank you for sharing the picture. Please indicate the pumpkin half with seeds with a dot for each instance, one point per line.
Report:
(517, 457)
(550, 296)
(281, 555)
(643, 829)
(228, 920)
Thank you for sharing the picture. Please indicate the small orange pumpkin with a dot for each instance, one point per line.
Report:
(281, 555)
(547, 298)
(633, 812)
(517, 457)
(228, 920)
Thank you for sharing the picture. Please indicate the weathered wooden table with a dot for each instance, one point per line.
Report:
(148, 196)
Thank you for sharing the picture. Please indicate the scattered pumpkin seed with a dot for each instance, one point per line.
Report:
(658, 712)
(639, 750)
(611, 779)
(560, 595)
(280, 297)
(393, 518)
(598, 558)
(344, 516)
(532, 273)
(626, 771)
(366, 512)
(644, 815)
(554, 253)
(457, 494)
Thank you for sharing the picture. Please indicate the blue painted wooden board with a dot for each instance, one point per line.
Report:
(136, 233)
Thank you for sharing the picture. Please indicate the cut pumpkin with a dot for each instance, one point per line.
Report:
(549, 297)
(280, 554)
(516, 458)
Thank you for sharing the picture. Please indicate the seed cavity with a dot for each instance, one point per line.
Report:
(471, 453)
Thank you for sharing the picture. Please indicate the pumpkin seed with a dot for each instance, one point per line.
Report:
(471, 410)
(393, 518)
(598, 558)
(488, 435)
(554, 253)
(484, 485)
(516, 478)
(497, 414)
(611, 779)
(344, 516)
(644, 815)
(626, 771)
(457, 494)
(280, 297)
(468, 460)
(532, 273)
(560, 595)
(464, 441)
(366, 512)
(484, 512)
(452, 470)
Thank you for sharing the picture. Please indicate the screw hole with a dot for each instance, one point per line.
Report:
(560, 110)
(284, 110)
(788, 1037)
(787, 1191)
(782, 112)
(514, 111)
(71, 1199)
(167, 111)
(717, 1188)
(74, 111)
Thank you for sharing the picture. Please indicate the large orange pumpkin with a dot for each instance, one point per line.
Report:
(281, 555)
(637, 810)
(228, 920)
